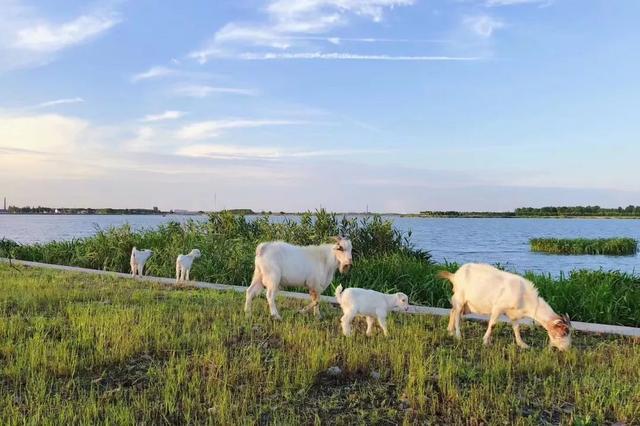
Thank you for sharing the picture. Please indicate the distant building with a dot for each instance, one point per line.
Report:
(4, 208)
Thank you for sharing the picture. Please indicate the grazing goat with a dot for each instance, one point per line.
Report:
(370, 304)
(183, 265)
(483, 289)
(138, 259)
(281, 264)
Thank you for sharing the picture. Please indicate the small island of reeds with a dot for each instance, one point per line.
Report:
(578, 246)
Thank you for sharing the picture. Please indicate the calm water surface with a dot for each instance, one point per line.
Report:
(504, 241)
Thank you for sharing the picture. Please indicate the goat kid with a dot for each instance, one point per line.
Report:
(370, 304)
(184, 263)
(138, 259)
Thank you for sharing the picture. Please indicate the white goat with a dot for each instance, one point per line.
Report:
(281, 264)
(370, 304)
(183, 265)
(138, 259)
(483, 289)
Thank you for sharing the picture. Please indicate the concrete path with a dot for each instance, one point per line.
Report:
(413, 309)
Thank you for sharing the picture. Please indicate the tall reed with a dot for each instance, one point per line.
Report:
(581, 246)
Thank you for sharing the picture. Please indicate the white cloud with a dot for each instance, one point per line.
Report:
(228, 152)
(58, 102)
(202, 91)
(316, 14)
(143, 140)
(482, 25)
(236, 152)
(265, 36)
(347, 56)
(213, 128)
(28, 39)
(167, 115)
(47, 37)
(291, 21)
(517, 2)
(154, 72)
(41, 133)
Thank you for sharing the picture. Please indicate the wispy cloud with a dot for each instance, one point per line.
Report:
(29, 39)
(167, 115)
(482, 25)
(517, 2)
(48, 37)
(202, 91)
(347, 56)
(213, 128)
(236, 152)
(290, 21)
(58, 102)
(153, 72)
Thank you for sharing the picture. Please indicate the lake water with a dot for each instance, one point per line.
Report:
(504, 241)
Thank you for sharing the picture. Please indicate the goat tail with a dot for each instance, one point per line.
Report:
(339, 294)
(445, 275)
(260, 249)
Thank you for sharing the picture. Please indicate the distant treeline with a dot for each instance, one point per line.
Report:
(68, 210)
(579, 211)
(453, 213)
(575, 211)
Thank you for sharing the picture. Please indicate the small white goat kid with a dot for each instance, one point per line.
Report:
(370, 304)
(138, 259)
(183, 265)
(282, 264)
(483, 289)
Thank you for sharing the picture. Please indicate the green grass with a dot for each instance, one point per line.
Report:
(579, 246)
(80, 349)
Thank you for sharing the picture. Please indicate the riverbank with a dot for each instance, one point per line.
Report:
(97, 349)
(385, 260)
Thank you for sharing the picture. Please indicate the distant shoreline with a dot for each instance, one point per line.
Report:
(407, 215)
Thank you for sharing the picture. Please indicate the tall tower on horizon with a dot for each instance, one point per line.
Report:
(5, 203)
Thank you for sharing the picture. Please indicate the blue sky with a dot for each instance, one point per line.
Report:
(398, 105)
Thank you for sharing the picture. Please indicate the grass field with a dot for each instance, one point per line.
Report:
(581, 246)
(100, 350)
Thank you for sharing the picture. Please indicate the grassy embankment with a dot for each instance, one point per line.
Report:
(578, 246)
(384, 260)
(79, 349)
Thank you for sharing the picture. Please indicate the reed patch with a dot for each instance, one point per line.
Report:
(584, 246)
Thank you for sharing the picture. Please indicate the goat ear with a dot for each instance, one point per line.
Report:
(561, 327)
(337, 238)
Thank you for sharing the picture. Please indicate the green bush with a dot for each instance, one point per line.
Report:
(227, 243)
(604, 246)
